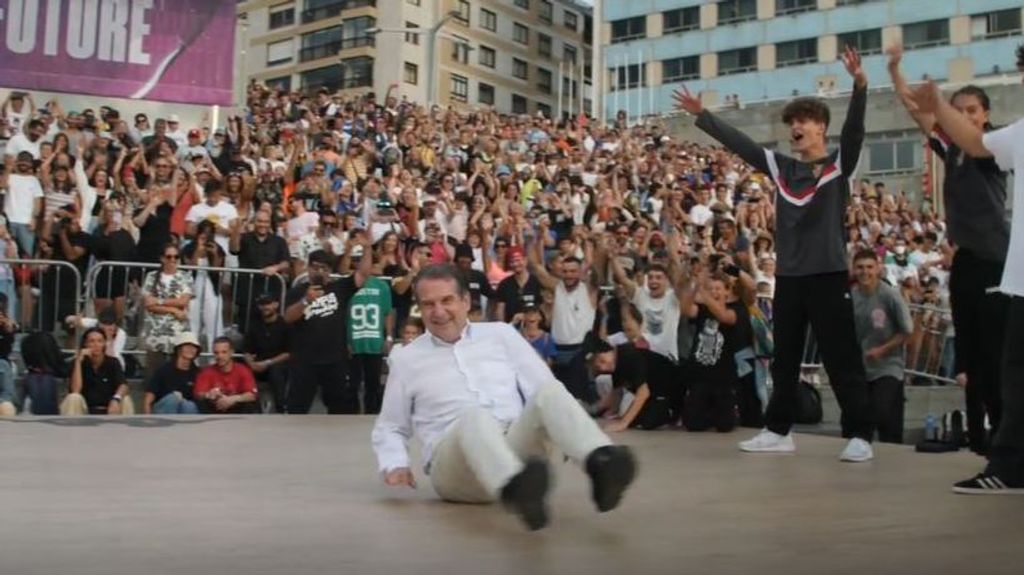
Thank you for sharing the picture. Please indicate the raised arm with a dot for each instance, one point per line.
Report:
(923, 120)
(718, 129)
(851, 140)
(953, 123)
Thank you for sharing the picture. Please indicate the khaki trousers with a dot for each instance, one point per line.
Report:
(74, 404)
(478, 456)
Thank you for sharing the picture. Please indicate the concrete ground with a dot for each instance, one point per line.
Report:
(298, 495)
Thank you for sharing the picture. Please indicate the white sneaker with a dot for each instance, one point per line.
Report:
(769, 442)
(857, 450)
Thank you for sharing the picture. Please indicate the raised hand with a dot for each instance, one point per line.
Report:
(926, 97)
(852, 63)
(686, 101)
(895, 53)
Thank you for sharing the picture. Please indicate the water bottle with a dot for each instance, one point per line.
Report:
(930, 428)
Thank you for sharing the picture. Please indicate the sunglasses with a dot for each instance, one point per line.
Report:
(170, 256)
(162, 165)
(500, 246)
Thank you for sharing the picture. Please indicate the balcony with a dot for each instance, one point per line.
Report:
(332, 10)
(333, 48)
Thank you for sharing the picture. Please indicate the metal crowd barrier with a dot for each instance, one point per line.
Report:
(928, 352)
(208, 293)
(42, 293)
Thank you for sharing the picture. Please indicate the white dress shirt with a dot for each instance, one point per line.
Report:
(432, 382)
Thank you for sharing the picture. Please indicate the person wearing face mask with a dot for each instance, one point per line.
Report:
(316, 309)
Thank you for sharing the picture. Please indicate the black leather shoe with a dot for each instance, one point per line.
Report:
(525, 494)
(611, 469)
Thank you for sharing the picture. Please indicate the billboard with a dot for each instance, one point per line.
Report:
(166, 50)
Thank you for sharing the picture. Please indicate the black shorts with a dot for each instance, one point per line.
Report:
(111, 283)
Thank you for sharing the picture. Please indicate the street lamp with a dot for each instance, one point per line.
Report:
(432, 34)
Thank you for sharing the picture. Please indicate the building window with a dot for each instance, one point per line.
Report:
(328, 77)
(796, 52)
(737, 61)
(279, 18)
(570, 87)
(995, 24)
(280, 52)
(519, 104)
(520, 69)
(632, 76)
(679, 69)
(544, 45)
(485, 94)
(462, 8)
(925, 34)
(544, 78)
(853, 2)
(460, 50)
(413, 39)
(413, 2)
(784, 7)
(570, 20)
(487, 56)
(629, 29)
(321, 9)
(866, 42)
(283, 83)
(544, 110)
(569, 54)
(893, 156)
(411, 73)
(524, 4)
(357, 72)
(736, 11)
(321, 44)
(547, 11)
(488, 20)
(681, 19)
(520, 33)
(460, 88)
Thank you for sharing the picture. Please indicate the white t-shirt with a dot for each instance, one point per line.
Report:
(1007, 147)
(20, 198)
(700, 215)
(661, 321)
(298, 227)
(20, 143)
(221, 214)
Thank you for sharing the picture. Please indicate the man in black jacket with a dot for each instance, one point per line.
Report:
(812, 285)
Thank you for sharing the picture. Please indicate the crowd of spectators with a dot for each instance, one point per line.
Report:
(587, 237)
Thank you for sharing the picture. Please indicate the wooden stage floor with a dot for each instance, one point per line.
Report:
(298, 495)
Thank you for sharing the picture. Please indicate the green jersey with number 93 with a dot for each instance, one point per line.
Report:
(367, 310)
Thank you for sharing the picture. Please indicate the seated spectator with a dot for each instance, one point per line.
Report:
(107, 321)
(266, 350)
(98, 385)
(531, 325)
(226, 386)
(170, 390)
(412, 328)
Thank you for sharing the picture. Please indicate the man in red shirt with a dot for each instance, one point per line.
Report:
(226, 386)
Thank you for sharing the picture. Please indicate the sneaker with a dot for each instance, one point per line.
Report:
(986, 484)
(769, 442)
(857, 450)
(525, 494)
(611, 469)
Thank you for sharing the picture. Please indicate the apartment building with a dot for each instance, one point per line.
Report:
(506, 54)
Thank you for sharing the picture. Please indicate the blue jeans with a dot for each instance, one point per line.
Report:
(24, 237)
(6, 381)
(172, 404)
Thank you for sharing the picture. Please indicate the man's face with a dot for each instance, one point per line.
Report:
(604, 363)
(328, 223)
(319, 273)
(571, 274)
(464, 263)
(222, 355)
(516, 263)
(866, 271)
(36, 131)
(24, 167)
(805, 133)
(213, 197)
(262, 226)
(718, 290)
(444, 311)
(268, 309)
(656, 283)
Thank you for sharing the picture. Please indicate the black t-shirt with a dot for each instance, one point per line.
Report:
(154, 234)
(81, 240)
(267, 340)
(517, 298)
(118, 246)
(635, 367)
(256, 254)
(319, 337)
(168, 379)
(478, 286)
(99, 385)
(712, 358)
(400, 302)
(6, 343)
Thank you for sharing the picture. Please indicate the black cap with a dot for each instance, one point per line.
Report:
(464, 251)
(265, 298)
(25, 157)
(320, 257)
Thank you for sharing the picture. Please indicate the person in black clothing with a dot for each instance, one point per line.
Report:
(170, 389)
(652, 378)
(259, 249)
(59, 286)
(475, 279)
(974, 192)
(711, 390)
(518, 290)
(316, 310)
(98, 385)
(111, 242)
(266, 350)
(812, 285)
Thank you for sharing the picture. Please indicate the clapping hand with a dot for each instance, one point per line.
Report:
(686, 101)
